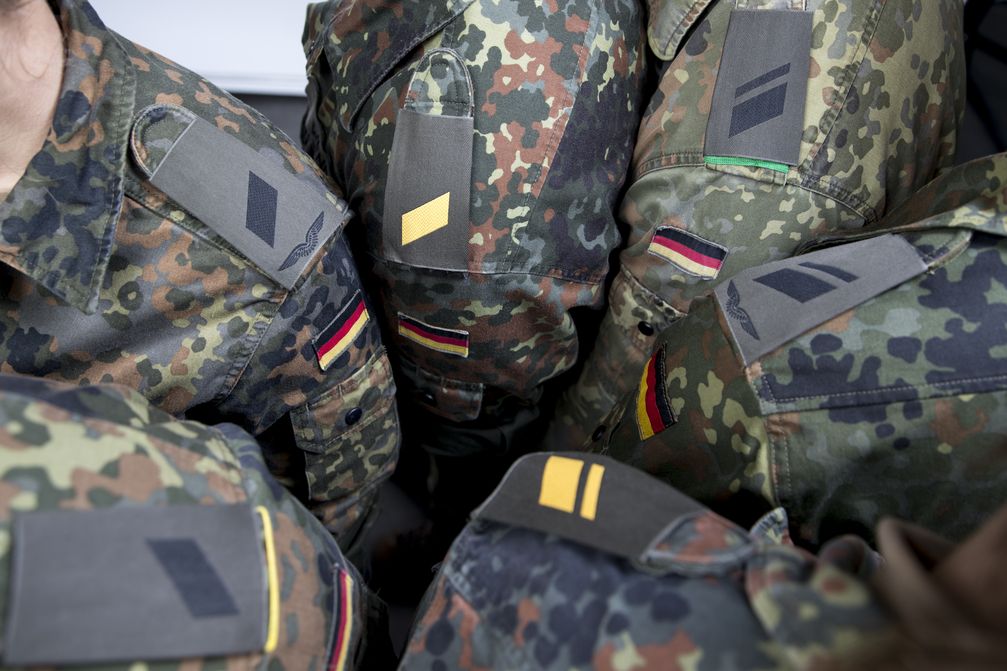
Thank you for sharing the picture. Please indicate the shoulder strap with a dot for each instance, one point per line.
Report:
(275, 219)
(587, 498)
(769, 305)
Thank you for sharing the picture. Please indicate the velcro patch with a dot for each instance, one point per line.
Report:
(123, 584)
(337, 337)
(449, 341)
(690, 253)
(586, 498)
(653, 412)
(758, 102)
(276, 220)
(770, 305)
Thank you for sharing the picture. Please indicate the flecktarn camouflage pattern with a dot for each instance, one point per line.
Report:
(889, 401)
(77, 449)
(483, 145)
(704, 594)
(210, 276)
(884, 95)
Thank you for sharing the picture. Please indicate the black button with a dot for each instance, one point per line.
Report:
(646, 328)
(428, 398)
(598, 434)
(353, 416)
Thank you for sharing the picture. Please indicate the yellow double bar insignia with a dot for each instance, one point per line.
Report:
(561, 482)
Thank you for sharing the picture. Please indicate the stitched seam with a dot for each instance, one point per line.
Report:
(869, 392)
(849, 73)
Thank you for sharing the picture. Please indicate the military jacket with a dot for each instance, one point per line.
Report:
(775, 121)
(168, 238)
(862, 378)
(581, 581)
(483, 145)
(95, 462)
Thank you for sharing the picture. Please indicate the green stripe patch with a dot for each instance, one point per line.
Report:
(747, 162)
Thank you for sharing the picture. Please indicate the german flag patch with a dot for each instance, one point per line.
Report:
(344, 634)
(342, 331)
(448, 341)
(653, 412)
(692, 254)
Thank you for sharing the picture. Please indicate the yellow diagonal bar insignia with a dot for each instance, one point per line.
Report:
(425, 219)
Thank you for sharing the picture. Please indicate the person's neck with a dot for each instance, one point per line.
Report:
(31, 74)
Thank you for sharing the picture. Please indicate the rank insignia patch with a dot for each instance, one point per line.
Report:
(425, 219)
(340, 334)
(448, 341)
(653, 412)
(692, 254)
(560, 486)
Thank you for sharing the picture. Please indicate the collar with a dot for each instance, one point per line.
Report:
(57, 224)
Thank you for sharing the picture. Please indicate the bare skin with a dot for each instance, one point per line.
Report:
(31, 72)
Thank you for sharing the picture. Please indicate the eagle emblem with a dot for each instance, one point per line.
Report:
(737, 312)
(305, 248)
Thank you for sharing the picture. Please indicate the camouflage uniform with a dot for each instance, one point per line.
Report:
(702, 594)
(892, 402)
(104, 448)
(535, 107)
(107, 278)
(885, 92)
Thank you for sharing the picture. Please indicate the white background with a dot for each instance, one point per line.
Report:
(242, 46)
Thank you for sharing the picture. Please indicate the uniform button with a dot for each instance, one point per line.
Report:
(646, 328)
(353, 416)
(428, 398)
(598, 434)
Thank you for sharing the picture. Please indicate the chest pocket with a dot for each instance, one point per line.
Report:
(362, 45)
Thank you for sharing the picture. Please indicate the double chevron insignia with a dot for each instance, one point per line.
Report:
(653, 412)
(691, 253)
(449, 341)
(260, 210)
(803, 286)
(762, 107)
(337, 337)
(562, 487)
(426, 219)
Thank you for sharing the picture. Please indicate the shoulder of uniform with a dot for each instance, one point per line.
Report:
(589, 499)
(248, 184)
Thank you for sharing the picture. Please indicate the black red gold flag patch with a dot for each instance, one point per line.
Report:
(449, 341)
(653, 412)
(692, 254)
(344, 634)
(342, 331)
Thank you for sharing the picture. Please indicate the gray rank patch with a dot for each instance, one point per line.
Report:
(122, 584)
(770, 305)
(758, 102)
(274, 219)
(589, 499)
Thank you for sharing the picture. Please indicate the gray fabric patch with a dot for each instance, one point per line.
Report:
(770, 305)
(124, 584)
(275, 219)
(758, 102)
(632, 508)
(431, 156)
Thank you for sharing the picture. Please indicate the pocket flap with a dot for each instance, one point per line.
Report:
(363, 42)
